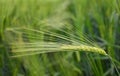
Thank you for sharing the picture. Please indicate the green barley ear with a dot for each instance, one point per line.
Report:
(21, 47)
(84, 48)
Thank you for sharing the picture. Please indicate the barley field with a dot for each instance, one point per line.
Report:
(59, 37)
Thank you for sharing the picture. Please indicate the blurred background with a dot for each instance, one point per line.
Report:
(98, 21)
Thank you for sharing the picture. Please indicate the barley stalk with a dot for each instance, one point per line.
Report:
(31, 50)
(46, 47)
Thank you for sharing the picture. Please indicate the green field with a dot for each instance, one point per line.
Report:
(59, 37)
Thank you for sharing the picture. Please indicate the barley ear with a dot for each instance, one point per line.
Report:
(84, 48)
